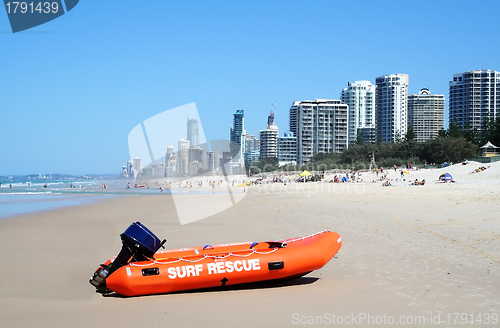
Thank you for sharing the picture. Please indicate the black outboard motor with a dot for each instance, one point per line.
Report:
(138, 244)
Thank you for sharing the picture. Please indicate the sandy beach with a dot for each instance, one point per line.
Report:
(408, 251)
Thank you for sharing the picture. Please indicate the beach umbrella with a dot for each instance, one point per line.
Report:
(406, 172)
(244, 184)
(303, 174)
(445, 177)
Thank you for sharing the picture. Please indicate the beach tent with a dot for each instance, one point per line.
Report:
(303, 174)
(344, 179)
(445, 177)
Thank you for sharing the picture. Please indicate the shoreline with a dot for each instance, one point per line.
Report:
(407, 251)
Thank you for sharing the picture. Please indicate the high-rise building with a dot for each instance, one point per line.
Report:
(269, 139)
(123, 173)
(474, 95)
(251, 143)
(426, 114)
(237, 134)
(252, 156)
(194, 168)
(391, 107)
(287, 149)
(320, 127)
(360, 97)
(158, 170)
(225, 161)
(196, 154)
(137, 166)
(183, 157)
(169, 153)
(213, 160)
(130, 169)
(252, 149)
(170, 162)
(193, 133)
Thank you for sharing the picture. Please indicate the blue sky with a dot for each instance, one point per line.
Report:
(73, 88)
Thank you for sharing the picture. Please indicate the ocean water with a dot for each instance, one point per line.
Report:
(15, 204)
(31, 196)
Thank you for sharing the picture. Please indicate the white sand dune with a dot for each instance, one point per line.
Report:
(460, 173)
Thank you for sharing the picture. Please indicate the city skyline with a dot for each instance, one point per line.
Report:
(357, 111)
(71, 91)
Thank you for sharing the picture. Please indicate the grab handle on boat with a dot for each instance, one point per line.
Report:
(208, 247)
(254, 244)
(277, 244)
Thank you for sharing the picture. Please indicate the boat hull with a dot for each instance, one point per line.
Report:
(224, 265)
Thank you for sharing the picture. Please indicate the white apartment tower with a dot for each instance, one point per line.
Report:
(170, 161)
(320, 127)
(426, 114)
(287, 149)
(391, 107)
(474, 95)
(137, 166)
(360, 97)
(183, 157)
(269, 139)
(193, 132)
(251, 143)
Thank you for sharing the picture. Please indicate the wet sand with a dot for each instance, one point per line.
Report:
(413, 251)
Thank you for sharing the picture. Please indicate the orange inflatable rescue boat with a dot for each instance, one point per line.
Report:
(140, 269)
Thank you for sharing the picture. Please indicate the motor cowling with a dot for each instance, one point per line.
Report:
(138, 244)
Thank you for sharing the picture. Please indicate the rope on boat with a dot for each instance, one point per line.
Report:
(205, 257)
(284, 241)
(300, 238)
